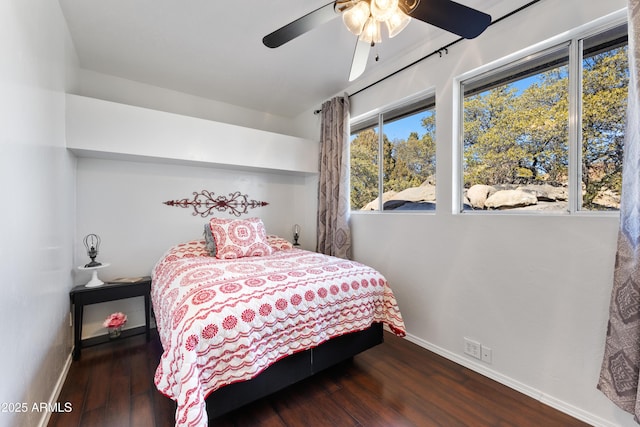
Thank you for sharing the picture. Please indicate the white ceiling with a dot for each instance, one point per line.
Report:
(214, 49)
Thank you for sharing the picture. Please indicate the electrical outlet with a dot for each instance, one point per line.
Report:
(486, 354)
(472, 348)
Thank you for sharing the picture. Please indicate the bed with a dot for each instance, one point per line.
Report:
(237, 326)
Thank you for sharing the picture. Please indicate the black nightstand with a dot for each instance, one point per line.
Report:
(81, 296)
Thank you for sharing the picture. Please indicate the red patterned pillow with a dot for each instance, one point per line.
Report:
(238, 238)
(192, 249)
(278, 243)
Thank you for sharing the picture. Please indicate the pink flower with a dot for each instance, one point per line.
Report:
(115, 320)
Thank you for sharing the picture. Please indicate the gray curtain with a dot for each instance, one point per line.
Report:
(334, 234)
(621, 361)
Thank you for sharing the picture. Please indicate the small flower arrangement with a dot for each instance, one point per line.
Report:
(115, 320)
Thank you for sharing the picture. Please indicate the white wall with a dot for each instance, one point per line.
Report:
(122, 202)
(534, 288)
(37, 218)
(96, 85)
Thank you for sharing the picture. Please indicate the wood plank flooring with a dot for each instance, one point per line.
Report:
(394, 384)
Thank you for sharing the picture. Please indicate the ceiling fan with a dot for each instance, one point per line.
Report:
(364, 18)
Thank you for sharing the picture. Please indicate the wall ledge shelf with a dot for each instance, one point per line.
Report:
(107, 155)
(109, 130)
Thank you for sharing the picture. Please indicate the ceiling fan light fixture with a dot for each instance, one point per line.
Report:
(356, 16)
(371, 31)
(382, 10)
(397, 22)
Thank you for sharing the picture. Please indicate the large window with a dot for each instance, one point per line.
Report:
(545, 133)
(393, 154)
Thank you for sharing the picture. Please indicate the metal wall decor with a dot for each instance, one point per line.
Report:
(204, 203)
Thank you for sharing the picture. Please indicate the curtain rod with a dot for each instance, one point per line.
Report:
(318, 111)
(444, 49)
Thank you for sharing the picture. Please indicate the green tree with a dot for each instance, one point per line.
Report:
(604, 98)
(414, 162)
(513, 136)
(415, 158)
(540, 124)
(405, 162)
(364, 168)
(490, 151)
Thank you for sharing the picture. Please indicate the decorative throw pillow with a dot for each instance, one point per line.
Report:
(238, 238)
(192, 249)
(209, 240)
(278, 243)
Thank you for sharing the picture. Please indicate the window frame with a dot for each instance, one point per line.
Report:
(410, 105)
(574, 40)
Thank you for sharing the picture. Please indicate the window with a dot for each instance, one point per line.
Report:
(394, 154)
(605, 80)
(528, 125)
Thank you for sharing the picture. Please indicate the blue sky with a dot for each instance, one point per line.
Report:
(400, 129)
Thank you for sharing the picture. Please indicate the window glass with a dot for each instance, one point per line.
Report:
(605, 79)
(409, 170)
(364, 169)
(515, 136)
(400, 163)
(546, 133)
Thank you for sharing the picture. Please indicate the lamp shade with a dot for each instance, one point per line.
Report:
(371, 31)
(382, 10)
(397, 22)
(92, 243)
(356, 16)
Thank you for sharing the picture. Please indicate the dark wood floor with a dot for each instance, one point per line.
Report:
(394, 384)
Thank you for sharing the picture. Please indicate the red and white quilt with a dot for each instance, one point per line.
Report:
(224, 321)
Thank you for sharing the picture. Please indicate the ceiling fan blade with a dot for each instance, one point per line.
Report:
(300, 26)
(360, 58)
(453, 17)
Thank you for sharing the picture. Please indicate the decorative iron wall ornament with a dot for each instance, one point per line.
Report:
(204, 203)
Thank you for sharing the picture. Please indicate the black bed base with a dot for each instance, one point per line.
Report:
(292, 369)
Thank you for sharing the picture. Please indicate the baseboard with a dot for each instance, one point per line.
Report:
(46, 415)
(551, 401)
